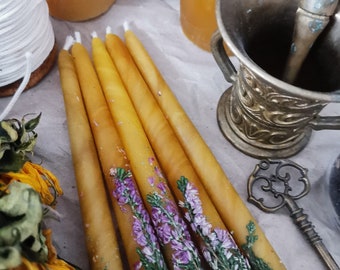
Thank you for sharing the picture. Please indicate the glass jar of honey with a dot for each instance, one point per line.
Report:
(78, 10)
(198, 21)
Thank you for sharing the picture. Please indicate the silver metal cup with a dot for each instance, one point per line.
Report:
(260, 114)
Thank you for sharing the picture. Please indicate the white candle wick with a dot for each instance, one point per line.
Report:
(68, 43)
(108, 30)
(77, 37)
(126, 26)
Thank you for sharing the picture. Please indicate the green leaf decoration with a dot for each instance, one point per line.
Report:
(255, 262)
(182, 184)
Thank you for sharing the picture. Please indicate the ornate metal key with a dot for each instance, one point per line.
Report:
(287, 182)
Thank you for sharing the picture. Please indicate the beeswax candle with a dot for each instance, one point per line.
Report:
(170, 227)
(110, 149)
(169, 151)
(173, 159)
(100, 235)
(225, 198)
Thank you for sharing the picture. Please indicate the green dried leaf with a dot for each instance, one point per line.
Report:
(17, 138)
(7, 132)
(12, 162)
(3, 148)
(22, 234)
(32, 124)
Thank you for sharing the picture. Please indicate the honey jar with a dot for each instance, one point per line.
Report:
(198, 21)
(78, 10)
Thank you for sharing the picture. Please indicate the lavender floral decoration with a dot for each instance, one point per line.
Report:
(169, 225)
(220, 249)
(127, 194)
(171, 229)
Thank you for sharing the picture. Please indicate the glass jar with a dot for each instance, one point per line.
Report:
(198, 21)
(78, 10)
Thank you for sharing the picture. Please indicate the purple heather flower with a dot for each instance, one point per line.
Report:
(158, 216)
(139, 233)
(181, 204)
(171, 207)
(151, 160)
(150, 231)
(218, 242)
(171, 229)
(137, 266)
(158, 172)
(127, 194)
(151, 180)
(225, 238)
(120, 194)
(202, 224)
(178, 245)
(148, 252)
(165, 233)
(162, 187)
(183, 256)
(207, 255)
(191, 197)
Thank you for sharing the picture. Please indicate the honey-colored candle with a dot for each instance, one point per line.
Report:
(224, 196)
(101, 240)
(169, 151)
(110, 151)
(162, 138)
(169, 225)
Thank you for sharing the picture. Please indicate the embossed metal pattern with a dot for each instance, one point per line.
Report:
(260, 114)
(265, 116)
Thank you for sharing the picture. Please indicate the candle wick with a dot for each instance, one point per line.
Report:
(77, 36)
(68, 43)
(126, 26)
(108, 30)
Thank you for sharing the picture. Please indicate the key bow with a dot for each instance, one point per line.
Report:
(284, 179)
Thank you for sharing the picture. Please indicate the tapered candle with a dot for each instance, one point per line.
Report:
(163, 140)
(170, 227)
(101, 240)
(169, 151)
(112, 157)
(225, 198)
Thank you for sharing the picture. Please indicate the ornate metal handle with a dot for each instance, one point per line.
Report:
(325, 122)
(221, 57)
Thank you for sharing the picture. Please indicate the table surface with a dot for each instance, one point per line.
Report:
(198, 83)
